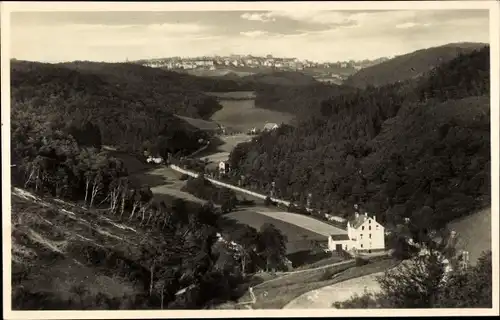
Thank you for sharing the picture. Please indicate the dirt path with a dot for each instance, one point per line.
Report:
(326, 296)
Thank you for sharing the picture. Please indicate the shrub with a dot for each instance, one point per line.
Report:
(361, 261)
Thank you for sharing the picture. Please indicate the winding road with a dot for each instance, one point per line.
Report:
(326, 296)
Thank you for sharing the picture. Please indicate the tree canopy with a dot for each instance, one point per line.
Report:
(395, 149)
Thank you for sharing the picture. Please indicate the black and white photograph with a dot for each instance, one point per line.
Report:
(324, 158)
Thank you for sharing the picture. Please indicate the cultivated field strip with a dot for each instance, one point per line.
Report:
(305, 222)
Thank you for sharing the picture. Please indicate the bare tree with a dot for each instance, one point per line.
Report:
(97, 187)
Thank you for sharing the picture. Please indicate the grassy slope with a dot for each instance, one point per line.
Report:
(409, 65)
(200, 123)
(57, 246)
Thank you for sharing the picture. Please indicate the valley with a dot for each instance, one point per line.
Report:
(387, 157)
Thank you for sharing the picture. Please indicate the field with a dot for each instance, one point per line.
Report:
(314, 225)
(298, 239)
(221, 152)
(242, 115)
(280, 292)
(200, 123)
(165, 184)
(474, 232)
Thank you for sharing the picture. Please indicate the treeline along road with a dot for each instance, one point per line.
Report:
(229, 186)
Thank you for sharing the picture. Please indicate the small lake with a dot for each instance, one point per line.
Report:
(242, 115)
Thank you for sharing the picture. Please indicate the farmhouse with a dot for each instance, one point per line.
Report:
(224, 167)
(157, 160)
(364, 233)
(270, 126)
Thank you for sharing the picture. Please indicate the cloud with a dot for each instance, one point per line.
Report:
(408, 25)
(178, 27)
(264, 17)
(254, 34)
(318, 17)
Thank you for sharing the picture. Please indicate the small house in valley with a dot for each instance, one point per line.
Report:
(270, 127)
(224, 167)
(364, 233)
(155, 160)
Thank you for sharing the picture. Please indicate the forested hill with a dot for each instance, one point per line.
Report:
(409, 65)
(303, 101)
(419, 148)
(104, 106)
(282, 78)
(161, 83)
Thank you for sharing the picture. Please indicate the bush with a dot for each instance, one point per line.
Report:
(246, 202)
(361, 261)
(268, 202)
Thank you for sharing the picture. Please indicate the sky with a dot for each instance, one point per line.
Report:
(315, 35)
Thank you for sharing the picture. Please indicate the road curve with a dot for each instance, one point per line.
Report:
(326, 296)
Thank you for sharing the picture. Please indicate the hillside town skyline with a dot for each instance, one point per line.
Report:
(252, 61)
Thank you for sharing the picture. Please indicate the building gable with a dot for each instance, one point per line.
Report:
(369, 222)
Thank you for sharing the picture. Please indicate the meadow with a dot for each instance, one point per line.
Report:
(165, 184)
(298, 239)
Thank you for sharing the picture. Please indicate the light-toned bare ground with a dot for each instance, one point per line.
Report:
(217, 157)
(474, 232)
(172, 185)
(325, 297)
(230, 142)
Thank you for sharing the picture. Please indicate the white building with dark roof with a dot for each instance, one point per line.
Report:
(270, 126)
(364, 233)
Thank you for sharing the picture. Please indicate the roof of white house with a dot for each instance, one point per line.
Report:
(356, 222)
(339, 237)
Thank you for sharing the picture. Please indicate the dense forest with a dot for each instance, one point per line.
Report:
(409, 66)
(302, 101)
(167, 87)
(305, 99)
(281, 78)
(419, 148)
(99, 109)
